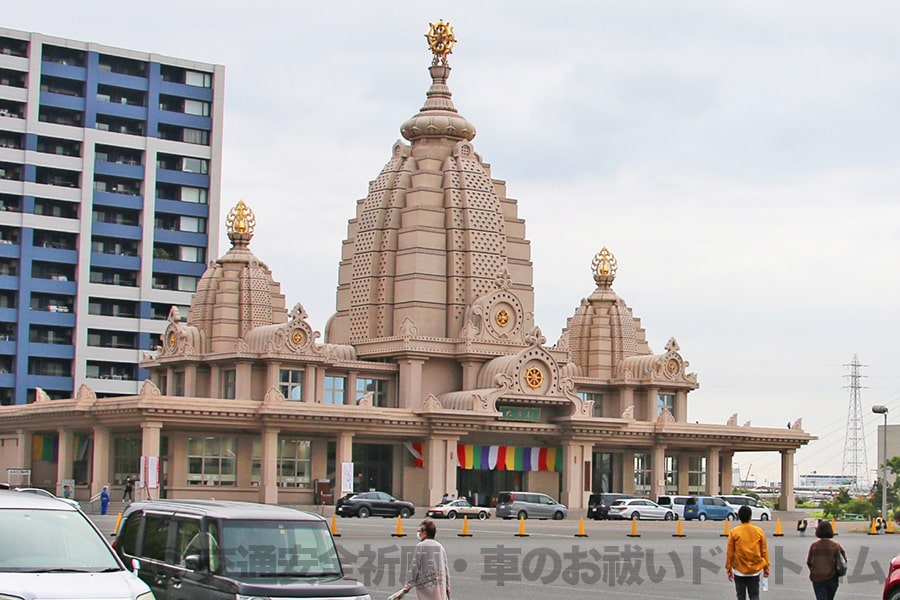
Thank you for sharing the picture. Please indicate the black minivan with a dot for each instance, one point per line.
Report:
(217, 550)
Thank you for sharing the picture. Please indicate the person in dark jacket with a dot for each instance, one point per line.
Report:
(821, 562)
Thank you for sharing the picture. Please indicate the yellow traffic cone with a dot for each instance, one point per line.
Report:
(890, 526)
(679, 531)
(834, 526)
(521, 528)
(727, 529)
(778, 532)
(118, 522)
(465, 531)
(399, 532)
(634, 532)
(334, 531)
(581, 532)
(874, 529)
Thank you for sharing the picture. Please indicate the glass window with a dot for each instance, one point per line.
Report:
(191, 254)
(665, 401)
(192, 224)
(211, 460)
(126, 458)
(198, 79)
(156, 534)
(291, 384)
(195, 165)
(229, 377)
(671, 475)
(187, 283)
(697, 474)
(334, 390)
(195, 136)
(597, 410)
(293, 463)
(196, 107)
(376, 386)
(178, 383)
(192, 194)
(642, 475)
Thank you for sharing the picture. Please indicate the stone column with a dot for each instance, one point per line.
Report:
(470, 373)
(727, 472)
(577, 460)
(101, 460)
(680, 406)
(440, 467)
(343, 453)
(626, 399)
(786, 500)
(23, 450)
(627, 467)
(150, 444)
(712, 472)
(657, 471)
(410, 383)
(273, 375)
(243, 384)
(268, 475)
(650, 403)
(350, 390)
(64, 459)
(684, 472)
(215, 381)
(190, 380)
(310, 384)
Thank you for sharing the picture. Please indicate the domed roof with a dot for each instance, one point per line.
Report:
(237, 292)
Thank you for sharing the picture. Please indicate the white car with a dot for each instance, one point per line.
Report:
(761, 512)
(458, 508)
(640, 508)
(46, 494)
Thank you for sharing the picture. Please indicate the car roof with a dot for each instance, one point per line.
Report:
(224, 509)
(13, 499)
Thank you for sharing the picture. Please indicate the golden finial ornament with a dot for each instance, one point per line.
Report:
(440, 41)
(240, 220)
(604, 266)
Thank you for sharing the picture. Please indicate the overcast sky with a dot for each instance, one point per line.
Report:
(741, 160)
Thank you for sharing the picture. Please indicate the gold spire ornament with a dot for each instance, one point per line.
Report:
(440, 41)
(240, 220)
(604, 265)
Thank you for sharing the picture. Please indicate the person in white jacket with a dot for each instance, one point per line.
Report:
(429, 571)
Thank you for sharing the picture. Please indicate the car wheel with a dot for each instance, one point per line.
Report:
(702, 516)
(669, 516)
(764, 517)
(363, 512)
(451, 515)
(405, 513)
(895, 594)
(558, 516)
(522, 515)
(482, 515)
(635, 516)
(730, 517)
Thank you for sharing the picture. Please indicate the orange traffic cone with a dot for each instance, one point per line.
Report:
(634, 532)
(834, 525)
(890, 526)
(334, 531)
(778, 532)
(399, 532)
(874, 529)
(727, 529)
(118, 522)
(581, 532)
(679, 531)
(521, 528)
(465, 531)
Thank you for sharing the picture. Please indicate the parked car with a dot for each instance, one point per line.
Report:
(46, 494)
(676, 503)
(375, 504)
(761, 512)
(640, 508)
(217, 549)
(891, 589)
(708, 507)
(51, 549)
(598, 504)
(529, 505)
(458, 508)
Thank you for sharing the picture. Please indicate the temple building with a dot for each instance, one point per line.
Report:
(431, 376)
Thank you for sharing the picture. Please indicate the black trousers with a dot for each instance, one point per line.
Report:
(747, 586)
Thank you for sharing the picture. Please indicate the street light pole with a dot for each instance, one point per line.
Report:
(880, 409)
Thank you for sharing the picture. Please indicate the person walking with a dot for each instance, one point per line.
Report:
(127, 493)
(747, 556)
(821, 562)
(104, 499)
(429, 571)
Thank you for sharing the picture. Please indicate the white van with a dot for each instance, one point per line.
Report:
(761, 512)
(676, 503)
(50, 547)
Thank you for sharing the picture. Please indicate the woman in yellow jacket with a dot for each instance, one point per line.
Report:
(747, 557)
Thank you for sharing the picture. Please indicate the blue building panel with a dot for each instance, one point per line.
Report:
(50, 350)
(185, 238)
(103, 167)
(126, 111)
(46, 317)
(176, 207)
(178, 267)
(9, 282)
(184, 90)
(9, 251)
(62, 101)
(114, 261)
(118, 200)
(130, 82)
(8, 315)
(61, 70)
(53, 286)
(182, 178)
(125, 232)
(183, 120)
(7, 347)
(57, 255)
(45, 382)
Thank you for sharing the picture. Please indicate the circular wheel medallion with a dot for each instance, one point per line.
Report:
(297, 337)
(173, 339)
(672, 367)
(502, 318)
(534, 377)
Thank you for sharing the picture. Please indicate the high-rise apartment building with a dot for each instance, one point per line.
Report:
(110, 165)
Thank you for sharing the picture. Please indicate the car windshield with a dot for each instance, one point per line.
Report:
(278, 549)
(52, 541)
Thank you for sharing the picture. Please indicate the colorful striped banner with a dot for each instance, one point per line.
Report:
(45, 447)
(508, 458)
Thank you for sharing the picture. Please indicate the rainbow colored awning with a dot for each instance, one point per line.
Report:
(508, 458)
